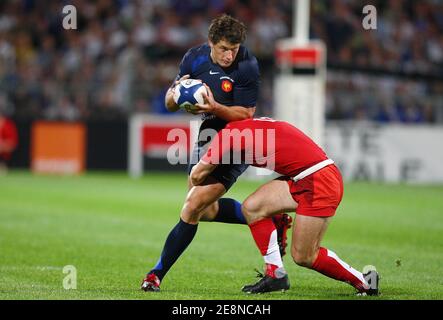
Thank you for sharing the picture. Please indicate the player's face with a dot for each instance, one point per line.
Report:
(223, 53)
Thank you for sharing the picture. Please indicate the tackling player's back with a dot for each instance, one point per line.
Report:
(271, 143)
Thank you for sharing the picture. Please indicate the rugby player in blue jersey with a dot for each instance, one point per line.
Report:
(231, 75)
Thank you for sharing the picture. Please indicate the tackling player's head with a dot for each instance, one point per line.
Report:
(225, 35)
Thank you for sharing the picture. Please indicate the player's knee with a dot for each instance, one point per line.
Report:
(250, 209)
(302, 258)
(191, 209)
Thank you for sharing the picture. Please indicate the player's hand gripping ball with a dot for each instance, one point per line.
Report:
(188, 93)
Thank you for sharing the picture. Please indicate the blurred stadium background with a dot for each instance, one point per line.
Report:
(123, 55)
(73, 93)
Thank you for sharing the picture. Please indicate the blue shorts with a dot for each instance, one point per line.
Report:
(226, 174)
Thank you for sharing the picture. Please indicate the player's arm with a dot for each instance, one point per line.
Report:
(211, 159)
(232, 113)
(201, 171)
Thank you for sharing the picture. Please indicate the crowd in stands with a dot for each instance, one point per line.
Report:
(125, 53)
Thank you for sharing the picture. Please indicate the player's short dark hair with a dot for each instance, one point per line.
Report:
(227, 28)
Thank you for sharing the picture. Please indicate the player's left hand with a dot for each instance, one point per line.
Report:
(210, 104)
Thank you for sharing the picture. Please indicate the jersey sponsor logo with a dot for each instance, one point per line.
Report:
(226, 77)
(226, 86)
(212, 72)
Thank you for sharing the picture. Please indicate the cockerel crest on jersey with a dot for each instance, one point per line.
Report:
(226, 86)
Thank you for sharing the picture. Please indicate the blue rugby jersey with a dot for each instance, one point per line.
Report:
(236, 85)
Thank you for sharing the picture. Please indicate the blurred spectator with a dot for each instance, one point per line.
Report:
(385, 113)
(381, 99)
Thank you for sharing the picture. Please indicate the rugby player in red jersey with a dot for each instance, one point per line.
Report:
(311, 185)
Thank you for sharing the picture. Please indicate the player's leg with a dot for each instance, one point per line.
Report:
(200, 201)
(318, 197)
(201, 197)
(259, 208)
(307, 252)
(197, 199)
(224, 210)
(227, 210)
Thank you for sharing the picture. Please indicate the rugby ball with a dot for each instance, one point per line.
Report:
(189, 92)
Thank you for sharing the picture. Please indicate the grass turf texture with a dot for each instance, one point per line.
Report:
(112, 229)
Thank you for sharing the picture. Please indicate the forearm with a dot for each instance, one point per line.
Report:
(234, 113)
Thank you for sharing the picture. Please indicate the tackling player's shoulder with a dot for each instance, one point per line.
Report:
(240, 124)
(258, 123)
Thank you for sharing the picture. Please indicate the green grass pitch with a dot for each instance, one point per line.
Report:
(112, 229)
